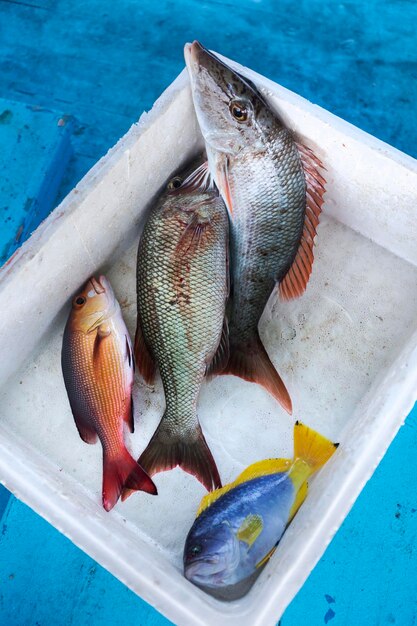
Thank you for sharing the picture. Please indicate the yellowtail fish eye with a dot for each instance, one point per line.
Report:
(79, 301)
(239, 110)
(174, 183)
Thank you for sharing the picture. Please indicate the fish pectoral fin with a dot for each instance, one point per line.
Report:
(299, 499)
(295, 281)
(191, 237)
(250, 529)
(222, 354)
(224, 184)
(143, 358)
(266, 558)
(102, 335)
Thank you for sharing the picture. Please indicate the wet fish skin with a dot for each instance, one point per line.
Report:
(237, 528)
(182, 287)
(98, 369)
(258, 169)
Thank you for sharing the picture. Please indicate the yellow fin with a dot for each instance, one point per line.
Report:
(212, 496)
(266, 558)
(250, 529)
(299, 499)
(311, 447)
(261, 468)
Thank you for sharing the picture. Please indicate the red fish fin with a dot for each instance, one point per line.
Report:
(192, 454)
(224, 186)
(191, 237)
(295, 281)
(123, 471)
(252, 363)
(86, 430)
(143, 358)
(222, 354)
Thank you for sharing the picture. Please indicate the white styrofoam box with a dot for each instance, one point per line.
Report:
(346, 349)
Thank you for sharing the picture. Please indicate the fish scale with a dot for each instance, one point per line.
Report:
(97, 364)
(182, 286)
(273, 190)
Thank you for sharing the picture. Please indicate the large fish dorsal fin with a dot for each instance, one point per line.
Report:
(212, 496)
(261, 468)
(295, 280)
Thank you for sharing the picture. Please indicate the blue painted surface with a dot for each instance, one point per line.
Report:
(106, 62)
(35, 151)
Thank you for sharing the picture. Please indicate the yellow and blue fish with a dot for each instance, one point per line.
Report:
(239, 526)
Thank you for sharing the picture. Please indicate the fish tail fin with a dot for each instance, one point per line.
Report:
(123, 471)
(191, 453)
(252, 363)
(311, 447)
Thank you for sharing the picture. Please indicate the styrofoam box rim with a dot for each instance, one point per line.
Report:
(379, 415)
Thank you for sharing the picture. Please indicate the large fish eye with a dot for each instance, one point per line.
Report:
(80, 300)
(196, 550)
(239, 110)
(174, 183)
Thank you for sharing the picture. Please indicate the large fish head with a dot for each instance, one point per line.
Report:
(94, 304)
(230, 110)
(212, 558)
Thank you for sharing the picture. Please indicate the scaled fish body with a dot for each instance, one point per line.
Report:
(182, 290)
(272, 189)
(98, 368)
(238, 527)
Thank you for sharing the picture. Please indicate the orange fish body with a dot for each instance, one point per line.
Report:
(98, 368)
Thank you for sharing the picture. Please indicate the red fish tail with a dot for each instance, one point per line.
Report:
(191, 453)
(123, 471)
(251, 362)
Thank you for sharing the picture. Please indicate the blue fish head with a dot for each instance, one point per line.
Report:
(212, 559)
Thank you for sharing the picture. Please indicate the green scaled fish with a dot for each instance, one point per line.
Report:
(182, 289)
(238, 527)
(273, 190)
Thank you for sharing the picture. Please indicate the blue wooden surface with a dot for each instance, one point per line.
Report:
(35, 151)
(104, 63)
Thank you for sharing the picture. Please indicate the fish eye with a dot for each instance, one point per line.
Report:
(174, 183)
(196, 550)
(80, 300)
(239, 110)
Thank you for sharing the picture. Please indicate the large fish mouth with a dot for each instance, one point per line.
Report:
(206, 572)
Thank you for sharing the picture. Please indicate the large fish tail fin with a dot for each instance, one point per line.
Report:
(191, 453)
(252, 363)
(311, 447)
(123, 471)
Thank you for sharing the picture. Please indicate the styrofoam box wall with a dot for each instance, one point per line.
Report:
(346, 349)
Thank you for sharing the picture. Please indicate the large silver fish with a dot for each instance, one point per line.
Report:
(182, 289)
(273, 190)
